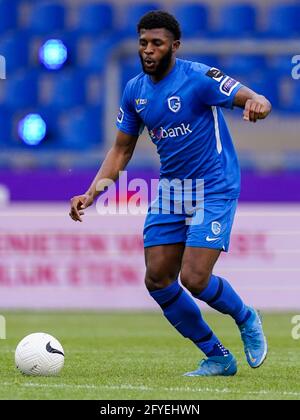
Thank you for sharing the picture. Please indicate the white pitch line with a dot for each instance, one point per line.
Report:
(148, 389)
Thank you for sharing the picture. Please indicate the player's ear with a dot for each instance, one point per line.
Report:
(175, 45)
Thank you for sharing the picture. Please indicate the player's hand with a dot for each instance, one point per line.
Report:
(78, 204)
(257, 109)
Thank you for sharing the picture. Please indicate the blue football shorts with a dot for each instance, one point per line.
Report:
(209, 227)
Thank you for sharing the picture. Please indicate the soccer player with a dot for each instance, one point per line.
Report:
(180, 103)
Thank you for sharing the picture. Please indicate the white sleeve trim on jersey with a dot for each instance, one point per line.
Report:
(217, 131)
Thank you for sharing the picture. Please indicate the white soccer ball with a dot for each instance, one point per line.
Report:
(39, 354)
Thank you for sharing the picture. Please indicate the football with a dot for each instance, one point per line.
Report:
(39, 354)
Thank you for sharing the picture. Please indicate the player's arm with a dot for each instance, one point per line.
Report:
(115, 161)
(256, 107)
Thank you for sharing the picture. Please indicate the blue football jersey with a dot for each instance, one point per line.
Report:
(183, 115)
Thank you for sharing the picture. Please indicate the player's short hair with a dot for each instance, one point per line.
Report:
(160, 19)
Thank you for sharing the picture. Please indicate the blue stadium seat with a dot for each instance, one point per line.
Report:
(210, 60)
(99, 52)
(5, 124)
(21, 90)
(132, 15)
(131, 67)
(46, 18)
(8, 15)
(264, 84)
(237, 20)
(95, 19)
(280, 65)
(67, 90)
(9, 45)
(291, 102)
(193, 19)
(242, 64)
(50, 116)
(284, 21)
(70, 40)
(80, 128)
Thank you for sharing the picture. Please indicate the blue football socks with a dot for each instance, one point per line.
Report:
(183, 313)
(221, 296)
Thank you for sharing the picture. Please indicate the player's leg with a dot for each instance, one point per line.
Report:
(203, 247)
(197, 277)
(162, 268)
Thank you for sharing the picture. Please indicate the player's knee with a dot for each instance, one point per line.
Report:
(195, 280)
(156, 279)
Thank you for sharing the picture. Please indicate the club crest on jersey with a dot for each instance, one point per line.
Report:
(216, 228)
(174, 103)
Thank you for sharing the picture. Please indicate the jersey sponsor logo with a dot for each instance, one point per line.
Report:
(228, 85)
(174, 103)
(120, 116)
(140, 105)
(216, 228)
(140, 101)
(163, 133)
(215, 74)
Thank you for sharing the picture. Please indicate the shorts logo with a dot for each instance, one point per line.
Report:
(174, 103)
(216, 228)
(228, 85)
(120, 116)
(215, 74)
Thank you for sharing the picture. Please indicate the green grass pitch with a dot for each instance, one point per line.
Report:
(135, 356)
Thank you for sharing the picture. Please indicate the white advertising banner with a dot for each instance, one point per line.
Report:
(48, 261)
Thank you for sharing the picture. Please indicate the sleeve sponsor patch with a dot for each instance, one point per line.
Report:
(120, 116)
(228, 85)
(215, 74)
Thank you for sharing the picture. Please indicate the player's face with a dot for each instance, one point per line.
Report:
(156, 50)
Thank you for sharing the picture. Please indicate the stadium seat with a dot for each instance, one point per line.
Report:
(8, 15)
(131, 67)
(263, 83)
(5, 124)
(66, 90)
(132, 15)
(95, 19)
(21, 89)
(99, 52)
(11, 43)
(46, 18)
(242, 64)
(291, 103)
(70, 40)
(280, 65)
(80, 128)
(211, 60)
(284, 21)
(193, 19)
(237, 20)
